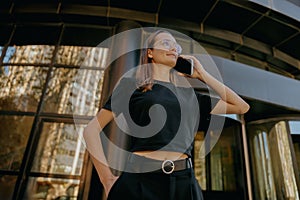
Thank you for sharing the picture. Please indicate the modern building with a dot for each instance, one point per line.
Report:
(53, 81)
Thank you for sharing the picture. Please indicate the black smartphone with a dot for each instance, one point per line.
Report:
(185, 66)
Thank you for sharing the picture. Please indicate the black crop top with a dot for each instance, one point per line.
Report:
(164, 118)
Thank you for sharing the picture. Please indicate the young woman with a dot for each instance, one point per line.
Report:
(159, 166)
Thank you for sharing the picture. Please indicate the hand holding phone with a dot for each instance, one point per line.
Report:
(185, 66)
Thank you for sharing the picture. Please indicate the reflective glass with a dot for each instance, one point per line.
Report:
(223, 162)
(21, 87)
(295, 134)
(7, 184)
(199, 162)
(272, 163)
(60, 149)
(297, 153)
(29, 54)
(14, 133)
(263, 165)
(52, 188)
(74, 91)
(294, 127)
(82, 56)
(1, 48)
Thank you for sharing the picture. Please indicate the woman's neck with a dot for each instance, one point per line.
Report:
(161, 72)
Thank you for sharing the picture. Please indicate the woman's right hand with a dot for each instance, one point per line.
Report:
(199, 70)
(108, 183)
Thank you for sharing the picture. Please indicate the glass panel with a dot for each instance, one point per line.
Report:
(21, 87)
(294, 127)
(297, 154)
(74, 91)
(60, 149)
(14, 133)
(82, 56)
(223, 162)
(7, 184)
(29, 54)
(52, 188)
(199, 161)
(263, 167)
(1, 49)
(283, 165)
(295, 133)
(272, 165)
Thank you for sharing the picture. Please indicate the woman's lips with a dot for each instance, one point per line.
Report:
(172, 54)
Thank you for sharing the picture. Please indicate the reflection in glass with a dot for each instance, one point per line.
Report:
(82, 56)
(1, 49)
(283, 165)
(223, 162)
(294, 127)
(21, 87)
(295, 132)
(29, 54)
(14, 133)
(199, 162)
(74, 91)
(52, 188)
(263, 166)
(297, 154)
(7, 184)
(60, 149)
(272, 164)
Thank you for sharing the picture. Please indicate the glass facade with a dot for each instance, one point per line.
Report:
(14, 133)
(29, 54)
(21, 87)
(7, 184)
(273, 165)
(60, 149)
(52, 188)
(221, 170)
(82, 56)
(41, 88)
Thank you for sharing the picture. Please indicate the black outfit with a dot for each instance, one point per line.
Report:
(156, 185)
(175, 111)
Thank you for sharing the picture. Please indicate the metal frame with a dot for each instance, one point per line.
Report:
(39, 118)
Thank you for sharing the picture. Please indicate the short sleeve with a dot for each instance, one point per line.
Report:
(206, 105)
(116, 101)
(107, 104)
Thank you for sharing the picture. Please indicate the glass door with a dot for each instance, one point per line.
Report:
(272, 161)
(221, 172)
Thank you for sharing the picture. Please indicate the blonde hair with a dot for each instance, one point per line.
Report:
(144, 73)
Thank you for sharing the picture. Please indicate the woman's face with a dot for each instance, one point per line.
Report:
(165, 50)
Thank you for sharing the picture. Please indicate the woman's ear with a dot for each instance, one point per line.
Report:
(149, 52)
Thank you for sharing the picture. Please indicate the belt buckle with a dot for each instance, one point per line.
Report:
(167, 164)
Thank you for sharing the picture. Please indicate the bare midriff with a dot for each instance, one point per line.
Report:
(162, 155)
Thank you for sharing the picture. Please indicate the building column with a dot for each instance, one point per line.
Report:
(112, 74)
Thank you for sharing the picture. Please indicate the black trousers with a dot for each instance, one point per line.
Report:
(179, 185)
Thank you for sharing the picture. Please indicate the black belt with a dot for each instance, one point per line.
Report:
(141, 164)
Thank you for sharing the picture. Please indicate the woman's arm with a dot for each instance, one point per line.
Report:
(230, 102)
(95, 148)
